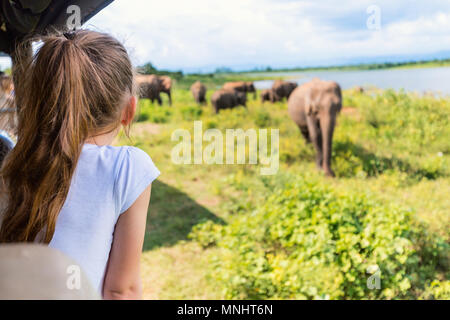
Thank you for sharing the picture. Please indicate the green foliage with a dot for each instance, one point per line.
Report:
(437, 290)
(262, 119)
(396, 133)
(149, 68)
(307, 241)
(190, 113)
(281, 237)
(152, 112)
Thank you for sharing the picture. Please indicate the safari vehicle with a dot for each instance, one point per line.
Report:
(20, 19)
(23, 18)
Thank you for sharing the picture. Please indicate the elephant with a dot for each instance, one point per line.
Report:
(6, 84)
(314, 107)
(359, 89)
(228, 99)
(268, 95)
(241, 86)
(199, 92)
(283, 89)
(151, 86)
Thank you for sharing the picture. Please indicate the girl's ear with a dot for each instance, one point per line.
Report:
(129, 111)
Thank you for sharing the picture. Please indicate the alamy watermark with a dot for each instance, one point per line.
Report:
(73, 22)
(208, 147)
(374, 281)
(73, 281)
(374, 20)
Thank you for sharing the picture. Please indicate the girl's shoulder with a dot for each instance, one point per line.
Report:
(117, 155)
(134, 171)
(136, 158)
(126, 162)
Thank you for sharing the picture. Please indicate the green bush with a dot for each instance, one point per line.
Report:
(262, 119)
(437, 290)
(152, 112)
(189, 113)
(308, 242)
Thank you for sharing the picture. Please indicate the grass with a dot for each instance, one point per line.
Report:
(392, 145)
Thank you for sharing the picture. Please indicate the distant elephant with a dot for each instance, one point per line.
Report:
(166, 87)
(314, 107)
(268, 95)
(241, 86)
(199, 92)
(359, 89)
(283, 89)
(228, 99)
(149, 87)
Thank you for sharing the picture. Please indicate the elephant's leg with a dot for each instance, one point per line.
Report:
(327, 124)
(316, 138)
(169, 94)
(158, 98)
(305, 133)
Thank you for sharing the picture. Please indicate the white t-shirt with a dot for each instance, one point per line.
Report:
(106, 182)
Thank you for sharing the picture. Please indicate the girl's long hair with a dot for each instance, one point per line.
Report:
(73, 87)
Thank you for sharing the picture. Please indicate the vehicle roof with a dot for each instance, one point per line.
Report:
(20, 18)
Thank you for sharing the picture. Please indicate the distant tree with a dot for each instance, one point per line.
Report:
(147, 68)
(223, 70)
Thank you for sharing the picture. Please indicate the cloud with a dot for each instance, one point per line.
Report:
(205, 34)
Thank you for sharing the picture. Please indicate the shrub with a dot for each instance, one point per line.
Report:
(262, 119)
(437, 290)
(308, 242)
(189, 113)
(152, 113)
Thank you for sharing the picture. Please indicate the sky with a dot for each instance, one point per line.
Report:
(202, 35)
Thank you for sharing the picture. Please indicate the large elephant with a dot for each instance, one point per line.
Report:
(149, 88)
(314, 107)
(241, 86)
(283, 89)
(199, 92)
(228, 99)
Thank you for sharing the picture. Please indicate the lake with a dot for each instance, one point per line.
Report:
(421, 80)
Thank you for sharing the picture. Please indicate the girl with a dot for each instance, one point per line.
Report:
(64, 184)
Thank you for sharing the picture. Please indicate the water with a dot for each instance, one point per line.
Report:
(421, 80)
